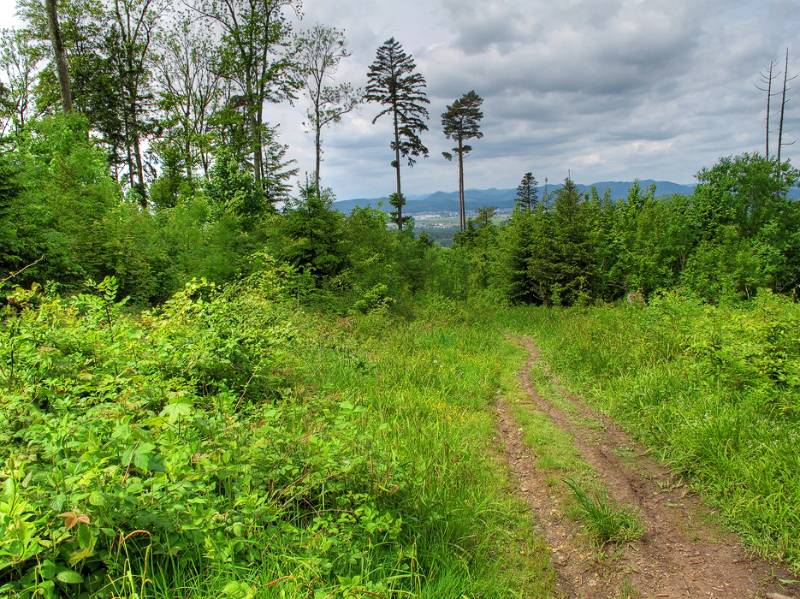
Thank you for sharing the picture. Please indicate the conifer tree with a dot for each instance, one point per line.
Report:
(529, 257)
(393, 82)
(573, 262)
(460, 122)
(527, 196)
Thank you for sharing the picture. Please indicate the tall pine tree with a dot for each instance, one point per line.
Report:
(393, 82)
(527, 196)
(461, 122)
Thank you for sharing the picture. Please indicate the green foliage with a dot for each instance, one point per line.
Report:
(200, 446)
(232, 188)
(394, 84)
(527, 193)
(737, 233)
(64, 192)
(376, 298)
(310, 234)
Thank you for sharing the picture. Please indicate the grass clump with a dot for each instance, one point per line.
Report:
(605, 522)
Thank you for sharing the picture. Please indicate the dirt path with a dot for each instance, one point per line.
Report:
(682, 554)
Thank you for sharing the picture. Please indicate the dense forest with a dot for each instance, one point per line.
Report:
(216, 384)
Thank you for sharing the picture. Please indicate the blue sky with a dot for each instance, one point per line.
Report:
(609, 89)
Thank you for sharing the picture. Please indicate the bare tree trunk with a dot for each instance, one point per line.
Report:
(461, 209)
(397, 171)
(783, 109)
(769, 102)
(318, 142)
(60, 58)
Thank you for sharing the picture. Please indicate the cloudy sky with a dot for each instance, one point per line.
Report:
(609, 89)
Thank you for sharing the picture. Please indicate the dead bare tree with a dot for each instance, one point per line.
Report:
(784, 101)
(766, 79)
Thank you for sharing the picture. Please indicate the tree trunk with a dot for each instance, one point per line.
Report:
(137, 155)
(189, 162)
(461, 208)
(783, 108)
(258, 166)
(60, 58)
(317, 141)
(769, 101)
(397, 171)
(128, 152)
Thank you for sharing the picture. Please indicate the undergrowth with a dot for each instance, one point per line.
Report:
(230, 444)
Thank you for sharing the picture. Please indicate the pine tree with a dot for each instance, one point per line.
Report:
(393, 82)
(527, 257)
(460, 122)
(313, 233)
(527, 196)
(574, 260)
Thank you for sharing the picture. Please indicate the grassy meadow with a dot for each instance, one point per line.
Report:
(714, 391)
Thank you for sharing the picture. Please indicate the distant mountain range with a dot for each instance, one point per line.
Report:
(502, 199)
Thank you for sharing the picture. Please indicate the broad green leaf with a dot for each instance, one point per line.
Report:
(69, 577)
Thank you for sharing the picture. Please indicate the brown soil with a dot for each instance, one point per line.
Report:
(683, 554)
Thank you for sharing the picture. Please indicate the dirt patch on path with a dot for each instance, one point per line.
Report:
(682, 554)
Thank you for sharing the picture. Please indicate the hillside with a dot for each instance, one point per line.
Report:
(503, 199)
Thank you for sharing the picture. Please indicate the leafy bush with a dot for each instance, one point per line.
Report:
(130, 441)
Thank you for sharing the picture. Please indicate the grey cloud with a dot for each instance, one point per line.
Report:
(608, 88)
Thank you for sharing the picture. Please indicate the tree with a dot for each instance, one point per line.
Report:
(312, 234)
(527, 194)
(529, 256)
(190, 92)
(132, 35)
(59, 56)
(18, 66)
(320, 50)
(278, 169)
(255, 60)
(766, 79)
(784, 101)
(574, 259)
(393, 82)
(461, 122)
(90, 41)
(742, 191)
(65, 191)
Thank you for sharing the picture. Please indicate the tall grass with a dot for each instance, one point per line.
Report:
(422, 392)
